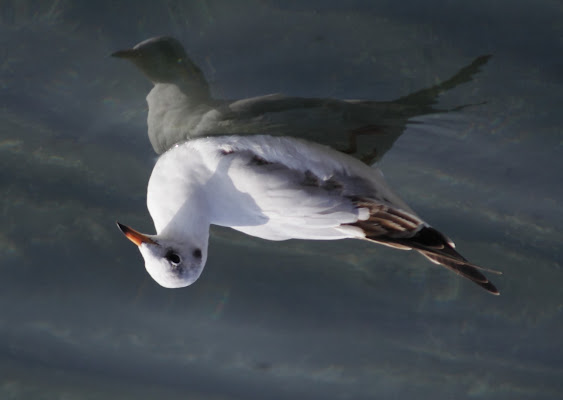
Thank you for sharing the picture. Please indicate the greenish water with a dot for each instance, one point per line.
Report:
(81, 319)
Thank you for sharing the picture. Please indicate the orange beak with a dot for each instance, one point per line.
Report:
(134, 236)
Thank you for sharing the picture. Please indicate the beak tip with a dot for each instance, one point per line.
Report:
(128, 53)
(120, 226)
(136, 237)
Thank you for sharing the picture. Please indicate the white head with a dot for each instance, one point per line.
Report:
(171, 264)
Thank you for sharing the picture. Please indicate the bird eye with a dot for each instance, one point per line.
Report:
(173, 257)
(197, 253)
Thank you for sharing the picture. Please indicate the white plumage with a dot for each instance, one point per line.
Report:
(275, 188)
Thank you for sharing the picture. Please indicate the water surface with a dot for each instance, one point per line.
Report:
(80, 317)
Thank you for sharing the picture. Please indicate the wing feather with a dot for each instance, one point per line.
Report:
(402, 230)
(309, 191)
(299, 202)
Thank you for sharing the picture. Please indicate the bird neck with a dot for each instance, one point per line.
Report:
(195, 91)
(189, 222)
(175, 107)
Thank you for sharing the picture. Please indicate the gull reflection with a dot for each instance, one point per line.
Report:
(181, 107)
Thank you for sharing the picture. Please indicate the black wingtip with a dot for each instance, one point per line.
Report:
(489, 287)
(437, 248)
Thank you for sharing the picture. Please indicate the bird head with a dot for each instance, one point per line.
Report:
(170, 263)
(163, 60)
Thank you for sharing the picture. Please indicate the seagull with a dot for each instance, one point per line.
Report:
(275, 188)
(181, 107)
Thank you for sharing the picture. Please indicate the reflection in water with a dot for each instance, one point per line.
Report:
(181, 107)
(275, 189)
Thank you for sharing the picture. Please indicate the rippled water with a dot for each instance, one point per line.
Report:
(81, 319)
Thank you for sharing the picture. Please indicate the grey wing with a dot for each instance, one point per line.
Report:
(272, 103)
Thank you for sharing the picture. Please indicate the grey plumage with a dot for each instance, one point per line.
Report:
(181, 107)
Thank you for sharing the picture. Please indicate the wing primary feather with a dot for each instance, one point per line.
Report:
(425, 242)
(465, 269)
(391, 227)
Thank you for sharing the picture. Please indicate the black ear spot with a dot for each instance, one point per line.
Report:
(197, 253)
